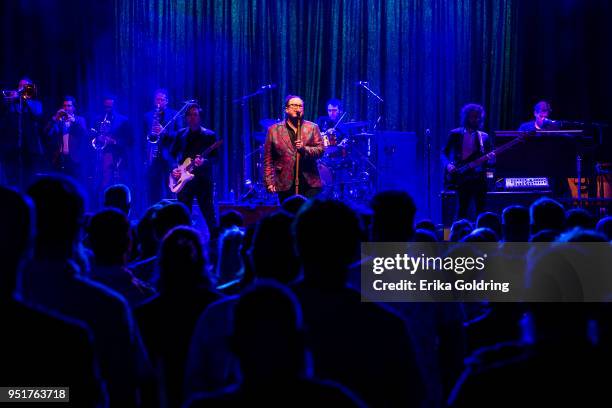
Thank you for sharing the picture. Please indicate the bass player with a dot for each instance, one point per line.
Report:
(466, 144)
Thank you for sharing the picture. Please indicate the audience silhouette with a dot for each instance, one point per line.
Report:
(52, 280)
(110, 240)
(211, 364)
(271, 313)
(362, 345)
(167, 320)
(38, 347)
(269, 342)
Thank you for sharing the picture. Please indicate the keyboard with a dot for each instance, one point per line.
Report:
(526, 183)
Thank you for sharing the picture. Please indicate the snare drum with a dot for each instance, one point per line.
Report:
(330, 141)
(336, 153)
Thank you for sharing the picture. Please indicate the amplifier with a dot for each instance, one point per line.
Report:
(525, 183)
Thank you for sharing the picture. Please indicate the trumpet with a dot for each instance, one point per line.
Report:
(65, 117)
(101, 138)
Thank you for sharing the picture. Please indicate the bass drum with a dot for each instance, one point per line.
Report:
(326, 174)
(334, 174)
(344, 183)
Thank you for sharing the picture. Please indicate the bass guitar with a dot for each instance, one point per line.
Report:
(176, 184)
(463, 169)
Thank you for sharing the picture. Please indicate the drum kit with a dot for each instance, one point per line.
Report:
(346, 168)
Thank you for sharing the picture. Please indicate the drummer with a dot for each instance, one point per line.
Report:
(334, 112)
(335, 109)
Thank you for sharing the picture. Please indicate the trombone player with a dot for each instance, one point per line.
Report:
(67, 139)
(20, 145)
(159, 139)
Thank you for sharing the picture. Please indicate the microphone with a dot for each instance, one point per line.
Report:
(268, 86)
(362, 83)
(191, 101)
(547, 122)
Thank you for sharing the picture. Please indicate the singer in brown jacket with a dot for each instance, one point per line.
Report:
(282, 148)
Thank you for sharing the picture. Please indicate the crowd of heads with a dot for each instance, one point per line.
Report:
(285, 279)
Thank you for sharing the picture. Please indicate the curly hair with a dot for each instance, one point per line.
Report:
(469, 108)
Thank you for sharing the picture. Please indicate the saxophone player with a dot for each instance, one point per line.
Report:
(113, 142)
(159, 138)
(67, 139)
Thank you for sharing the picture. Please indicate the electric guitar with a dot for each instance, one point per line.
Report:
(462, 171)
(176, 184)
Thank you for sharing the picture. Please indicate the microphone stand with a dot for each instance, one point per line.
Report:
(374, 94)
(177, 114)
(379, 102)
(428, 161)
(246, 129)
(21, 153)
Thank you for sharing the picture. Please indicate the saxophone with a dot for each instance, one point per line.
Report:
(153, 137)
(101, 134)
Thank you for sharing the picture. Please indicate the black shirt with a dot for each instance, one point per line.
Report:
(190, 144)
(325, 123)
(292, 133)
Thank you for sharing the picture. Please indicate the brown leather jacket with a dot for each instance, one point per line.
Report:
(280, 154)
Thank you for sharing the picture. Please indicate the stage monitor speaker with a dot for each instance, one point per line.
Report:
(496, 202)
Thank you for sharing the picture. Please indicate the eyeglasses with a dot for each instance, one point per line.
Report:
(295, 106)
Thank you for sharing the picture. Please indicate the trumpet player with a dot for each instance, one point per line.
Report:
(67, 139)
(159, 139)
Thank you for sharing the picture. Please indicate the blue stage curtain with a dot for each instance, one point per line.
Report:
(425, 58)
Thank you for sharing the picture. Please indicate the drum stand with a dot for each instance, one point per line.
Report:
(256, 192)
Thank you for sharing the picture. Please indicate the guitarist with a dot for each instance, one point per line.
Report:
(464, 145)
(191, 142)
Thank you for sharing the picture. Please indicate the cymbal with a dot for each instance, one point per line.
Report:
(364, 134)
(266, 123)
(353, 125)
